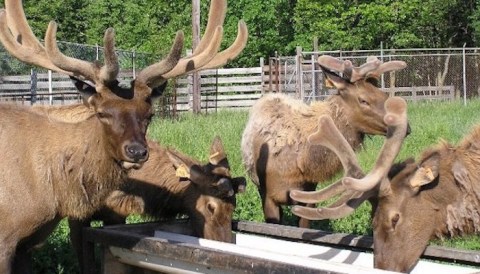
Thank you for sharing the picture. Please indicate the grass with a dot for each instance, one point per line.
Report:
(430, 122)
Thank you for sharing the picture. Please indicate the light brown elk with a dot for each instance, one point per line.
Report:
(436, 196)
(274, 145)
(171, 183)
(53, 169)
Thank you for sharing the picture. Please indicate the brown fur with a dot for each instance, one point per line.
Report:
(274, 145)
(406, 217)
(53, 169)
(156, 190)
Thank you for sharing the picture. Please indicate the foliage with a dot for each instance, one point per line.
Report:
(275, 26)
(397, 24)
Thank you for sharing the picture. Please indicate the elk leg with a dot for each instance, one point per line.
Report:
(271, 211)
(305, 223)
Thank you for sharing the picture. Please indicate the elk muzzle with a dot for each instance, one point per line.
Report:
(137, 152)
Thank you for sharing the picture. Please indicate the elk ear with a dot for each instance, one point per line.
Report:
(84, 88)
(334, 80)
(158, 91)
(427, 171)
(460, 173)
(239, 184)
(217, 151)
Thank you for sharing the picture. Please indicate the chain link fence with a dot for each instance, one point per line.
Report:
(27, 84)
(456, 69)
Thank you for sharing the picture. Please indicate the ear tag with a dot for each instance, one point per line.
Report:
(429, 174)
(183, 171)
(213, 158)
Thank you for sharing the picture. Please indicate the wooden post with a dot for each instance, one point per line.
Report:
(299, 84)
(196, 104)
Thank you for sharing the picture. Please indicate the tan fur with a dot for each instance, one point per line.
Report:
(155, 190)
(274, 144)
(50, 170)
(449, 205)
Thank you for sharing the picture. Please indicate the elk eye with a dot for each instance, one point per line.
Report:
(103, 115)
(363, 101)
(395, 220)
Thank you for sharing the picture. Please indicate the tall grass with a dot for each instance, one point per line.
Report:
(430, 122)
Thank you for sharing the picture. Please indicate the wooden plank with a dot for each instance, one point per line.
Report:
(189, 253)
(251, 70)
(351, 241)
(226, 89)
(225, 80)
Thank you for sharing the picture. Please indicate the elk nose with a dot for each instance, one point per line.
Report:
(136, 151)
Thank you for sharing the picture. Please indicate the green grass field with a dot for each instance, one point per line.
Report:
(430, 122)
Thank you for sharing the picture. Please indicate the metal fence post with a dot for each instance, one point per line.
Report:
(133, 63)
(33, 86)
(464, 76)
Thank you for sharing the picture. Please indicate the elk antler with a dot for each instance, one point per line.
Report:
(354, 191)
(372, 68)
(206, 55)
(19, 40)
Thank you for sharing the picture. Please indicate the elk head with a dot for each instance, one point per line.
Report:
(362, 100)
(124, 113)
(212, 192)
(355, 187)
(405, 214)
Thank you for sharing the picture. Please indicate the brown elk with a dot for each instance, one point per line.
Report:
(274, 145)
(54, 169)
(436, 196)
(171, 183)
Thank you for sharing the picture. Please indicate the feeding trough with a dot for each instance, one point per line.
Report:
(258, 248)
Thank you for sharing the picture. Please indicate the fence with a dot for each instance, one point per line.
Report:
(222, 88)
(431, 74)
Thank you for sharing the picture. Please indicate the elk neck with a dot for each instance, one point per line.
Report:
(85, 171)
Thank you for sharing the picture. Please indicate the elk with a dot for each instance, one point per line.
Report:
(412, 201)
(54, 169)
(274, 144)
(171, 183)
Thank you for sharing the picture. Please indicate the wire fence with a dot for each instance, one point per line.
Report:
(430, 69)
(445, 73)
(129, 60)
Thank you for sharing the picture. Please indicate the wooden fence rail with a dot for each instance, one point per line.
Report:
(235, 88)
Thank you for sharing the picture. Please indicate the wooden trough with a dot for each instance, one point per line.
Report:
(258, 248)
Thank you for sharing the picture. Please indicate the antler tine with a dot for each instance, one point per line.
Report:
(216, 17)
(358, 190)
(18, 40)
(79, 67)
(150, 74)
(396, 119)
(231, 52)
(153, 77)
(194, 63)
(334, 212)
(386, 67)
(349, 71)
(329, 136)
(203, 53)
